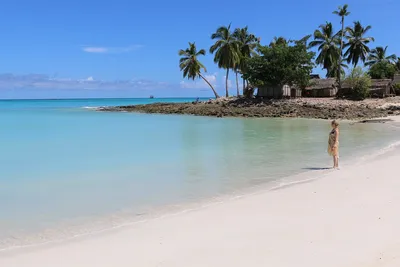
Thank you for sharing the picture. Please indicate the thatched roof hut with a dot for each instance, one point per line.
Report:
(321, 88)
(379, 88)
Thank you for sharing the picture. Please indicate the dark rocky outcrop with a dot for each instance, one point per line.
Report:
(257, 107)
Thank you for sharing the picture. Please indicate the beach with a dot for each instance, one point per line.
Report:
(344, 218)
(155, 139)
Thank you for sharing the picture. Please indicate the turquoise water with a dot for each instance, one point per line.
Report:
(63, 163)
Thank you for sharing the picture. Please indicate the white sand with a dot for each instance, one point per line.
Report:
(349, 218)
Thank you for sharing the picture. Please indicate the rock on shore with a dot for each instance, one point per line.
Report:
(321, 108)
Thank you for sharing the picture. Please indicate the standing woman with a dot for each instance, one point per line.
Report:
(333, 143)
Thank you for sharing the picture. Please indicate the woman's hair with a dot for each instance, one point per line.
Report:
(335, 123)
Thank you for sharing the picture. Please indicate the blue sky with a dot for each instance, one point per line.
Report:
(129, 48)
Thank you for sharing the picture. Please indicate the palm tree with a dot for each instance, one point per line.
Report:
(378, 55)
(341, 12)
(328, 46)
(357, 43)
(191, 66)
(247, 45)
(226, 49)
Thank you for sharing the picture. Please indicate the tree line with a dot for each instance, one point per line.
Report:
(290, 62)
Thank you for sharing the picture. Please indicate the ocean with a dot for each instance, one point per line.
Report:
(66, 169)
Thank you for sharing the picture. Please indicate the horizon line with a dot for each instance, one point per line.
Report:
(88, 98)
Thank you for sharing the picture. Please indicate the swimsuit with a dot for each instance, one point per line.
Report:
(333, 151)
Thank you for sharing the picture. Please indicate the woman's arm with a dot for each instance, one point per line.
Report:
(337, 137)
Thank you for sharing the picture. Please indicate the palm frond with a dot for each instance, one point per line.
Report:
(357, 46)
(328, 45)
(201, 52)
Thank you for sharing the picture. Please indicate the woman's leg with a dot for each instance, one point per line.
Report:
(336, 162)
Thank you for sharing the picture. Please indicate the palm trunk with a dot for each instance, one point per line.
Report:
(212, 88)
(244, 87)
(226, 83)
(340, 56)
(237, 85)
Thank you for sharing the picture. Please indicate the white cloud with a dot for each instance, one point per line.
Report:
(229, 82)
(95, 49)
(110, 50)
(32, 81)
(200, 83)
(211, 79)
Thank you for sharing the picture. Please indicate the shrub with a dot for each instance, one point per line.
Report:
(397, 88)
(382, 70)
(360, 82)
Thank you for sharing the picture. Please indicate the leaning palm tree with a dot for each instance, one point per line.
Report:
(341, 12)
(378, 55)
(247, 46)
(328, 46)
(357, 43)
(226, 48)
(191, 66)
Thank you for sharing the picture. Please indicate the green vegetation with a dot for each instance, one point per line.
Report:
(360, 82)
(378, 55)
(328, 46)
(284, 61)
(397, 88)
(226, 48)
(281, 63)
(247, 45)
(381, 66)
(191, 66)
(382, 70)
(357, 43)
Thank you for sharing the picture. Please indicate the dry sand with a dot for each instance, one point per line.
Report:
(350, 217)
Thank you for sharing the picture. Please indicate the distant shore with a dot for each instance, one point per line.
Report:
(317, 108)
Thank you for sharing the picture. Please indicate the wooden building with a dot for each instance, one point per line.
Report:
(279, 92)
(381, 88)
(321, 88)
